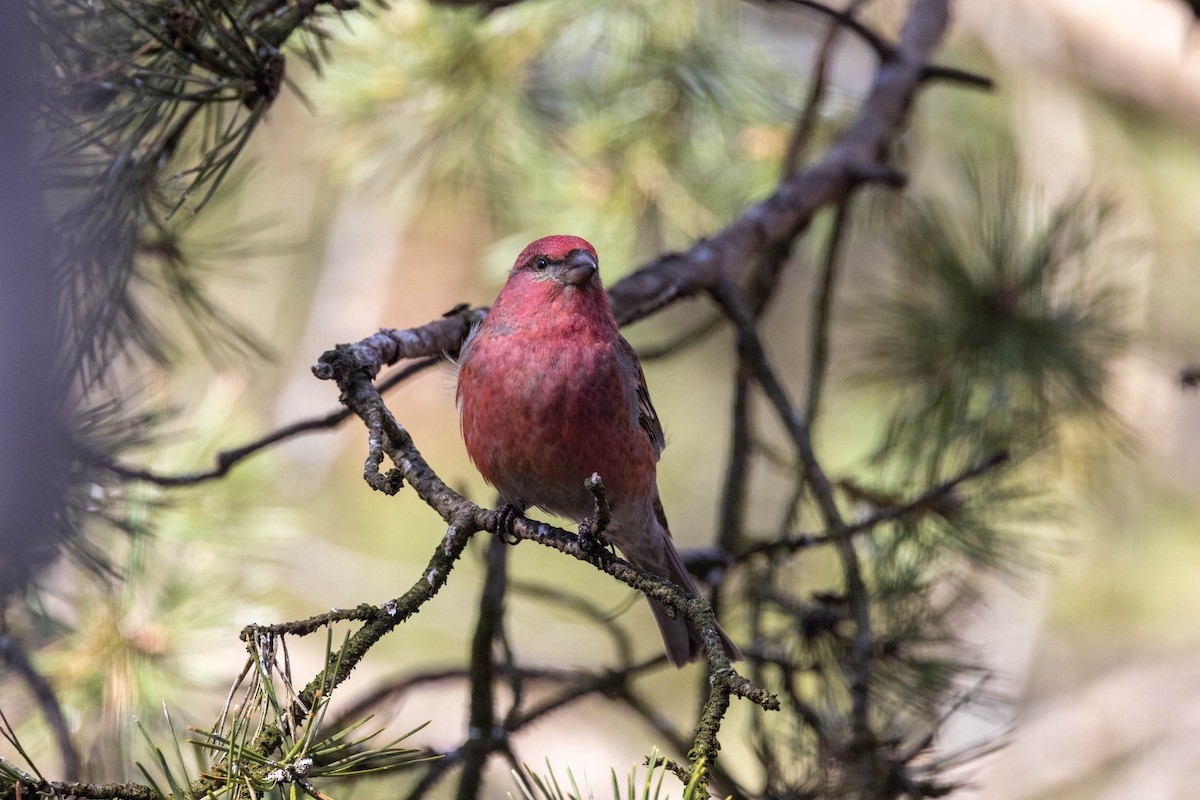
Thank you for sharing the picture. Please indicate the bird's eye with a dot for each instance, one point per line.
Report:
(542, 263)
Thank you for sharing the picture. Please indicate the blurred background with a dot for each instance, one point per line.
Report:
(405, 179)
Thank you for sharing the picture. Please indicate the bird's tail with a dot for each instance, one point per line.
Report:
(653, 550)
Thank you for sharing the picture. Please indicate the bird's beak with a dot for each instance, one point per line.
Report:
(580, 268)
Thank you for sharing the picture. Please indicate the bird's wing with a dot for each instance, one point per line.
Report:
(647, 416)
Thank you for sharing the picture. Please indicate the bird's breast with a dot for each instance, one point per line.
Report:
(541, 413)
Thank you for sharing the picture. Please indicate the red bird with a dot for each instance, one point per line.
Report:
(549, 392)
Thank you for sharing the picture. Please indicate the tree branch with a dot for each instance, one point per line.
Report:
(751, 352)
(930, 500)
(387, 437)
(818, 337)
(856, 157)
(227, 459)
(482, 738)
(884, 50)
(14, 657)
(710, 266)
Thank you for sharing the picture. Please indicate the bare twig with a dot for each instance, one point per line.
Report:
(383, 620)
(930, 500)
(737, 470)
(87, 791)
(766, 279)
(227, 459)
(13, 656)
(567, 601)
(610, 683)
(856, 157)
(751, 351)
(937, 72)
(884, 50)
(818, 359)
(710, 266)
(695, 335)
(388, 437)
(806, 123)
(434, 774)
(482, 738)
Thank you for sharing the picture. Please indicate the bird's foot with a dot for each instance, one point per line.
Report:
(507, 516)
(593, 540)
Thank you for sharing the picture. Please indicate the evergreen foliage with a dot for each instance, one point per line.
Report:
(651, 124)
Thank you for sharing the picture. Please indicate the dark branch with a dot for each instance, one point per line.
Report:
(751, 352)
(227, 459)
(818, 358)
(442, 336)
(856, 157)
(884, 49)
(387, 437)
(935, 72)
(711, 266)
(483, 740)
(806, 123)
(82, 791)
(14, 657)
(929, 500)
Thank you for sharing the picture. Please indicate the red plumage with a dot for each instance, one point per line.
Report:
(550, 392)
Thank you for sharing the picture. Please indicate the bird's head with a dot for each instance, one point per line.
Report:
(566, 260)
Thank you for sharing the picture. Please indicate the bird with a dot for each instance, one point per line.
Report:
(549, 392)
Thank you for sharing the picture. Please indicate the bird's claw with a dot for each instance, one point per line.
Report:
(591, 540)
(506, 522)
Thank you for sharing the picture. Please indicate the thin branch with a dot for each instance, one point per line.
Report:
(580, 685)
(797, 144)
(227, 459)
(733, 302)
(342, 662)
(737, 471)
(884, 49)
(818, 358)
(437, 770)
(973, 80)
(608, 683)
(82, 791)
(568, 601)
(751, 351)
(697, 334)
(710, 266)
(722, 783)
(482, 740)
(806, 123)
(931, 499)
(392, 691)
(792, 543)
(14, 657)
(388, 437)
(857, 156)
(652, 715)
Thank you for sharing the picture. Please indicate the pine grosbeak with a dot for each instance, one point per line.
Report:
(549, 392)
